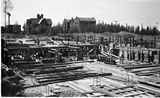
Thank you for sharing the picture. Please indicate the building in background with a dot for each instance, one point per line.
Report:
(80, 25)
(66, 25)
(38, 25)
(11, 29)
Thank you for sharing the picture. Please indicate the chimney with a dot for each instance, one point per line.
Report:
(41, 15)
(38, 16)
(9, 15)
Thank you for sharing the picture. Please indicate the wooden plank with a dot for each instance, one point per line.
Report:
(140, 66)
(69, 79)
(43, 68)
(69, 72)
(120, 88)
(135, 94)
(104, 91)
(150, 84)
(126, 90)
(146, 69)
(63, 69)
(150, 89)
(75, 76)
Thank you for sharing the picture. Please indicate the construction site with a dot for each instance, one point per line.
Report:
(78, 61)
(63, 68)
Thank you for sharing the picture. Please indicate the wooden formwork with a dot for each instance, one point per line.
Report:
(126, 91)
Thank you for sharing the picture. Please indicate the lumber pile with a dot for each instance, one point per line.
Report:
(21, 62)
(53, 70)
(139, 66)
(48, 73)
(143, 69)
(126, 91)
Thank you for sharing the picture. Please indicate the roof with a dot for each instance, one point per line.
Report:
(86, 19)
(45, 21)
(39, 21)
(66, 20)
(32, 21)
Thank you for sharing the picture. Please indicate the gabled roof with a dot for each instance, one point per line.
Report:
(39, 21)
(45, 21)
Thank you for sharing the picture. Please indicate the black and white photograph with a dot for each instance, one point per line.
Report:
(80, 48)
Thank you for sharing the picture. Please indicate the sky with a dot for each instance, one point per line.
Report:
(133, 12)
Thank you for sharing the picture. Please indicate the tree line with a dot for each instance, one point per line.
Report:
(101, 27)
(113, 28)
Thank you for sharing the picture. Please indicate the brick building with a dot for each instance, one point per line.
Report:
(12, 29)
(79, 24)
(38, 25)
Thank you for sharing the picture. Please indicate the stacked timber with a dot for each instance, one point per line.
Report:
(143, 69)
(49, 73)
(53, 70)
(126, 91)
(139, 66)
(21, 62)
(39, 65)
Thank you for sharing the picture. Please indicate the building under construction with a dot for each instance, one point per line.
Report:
(75, 64)
(66, 68)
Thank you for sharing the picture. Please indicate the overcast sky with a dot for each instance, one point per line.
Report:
(135, 12)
